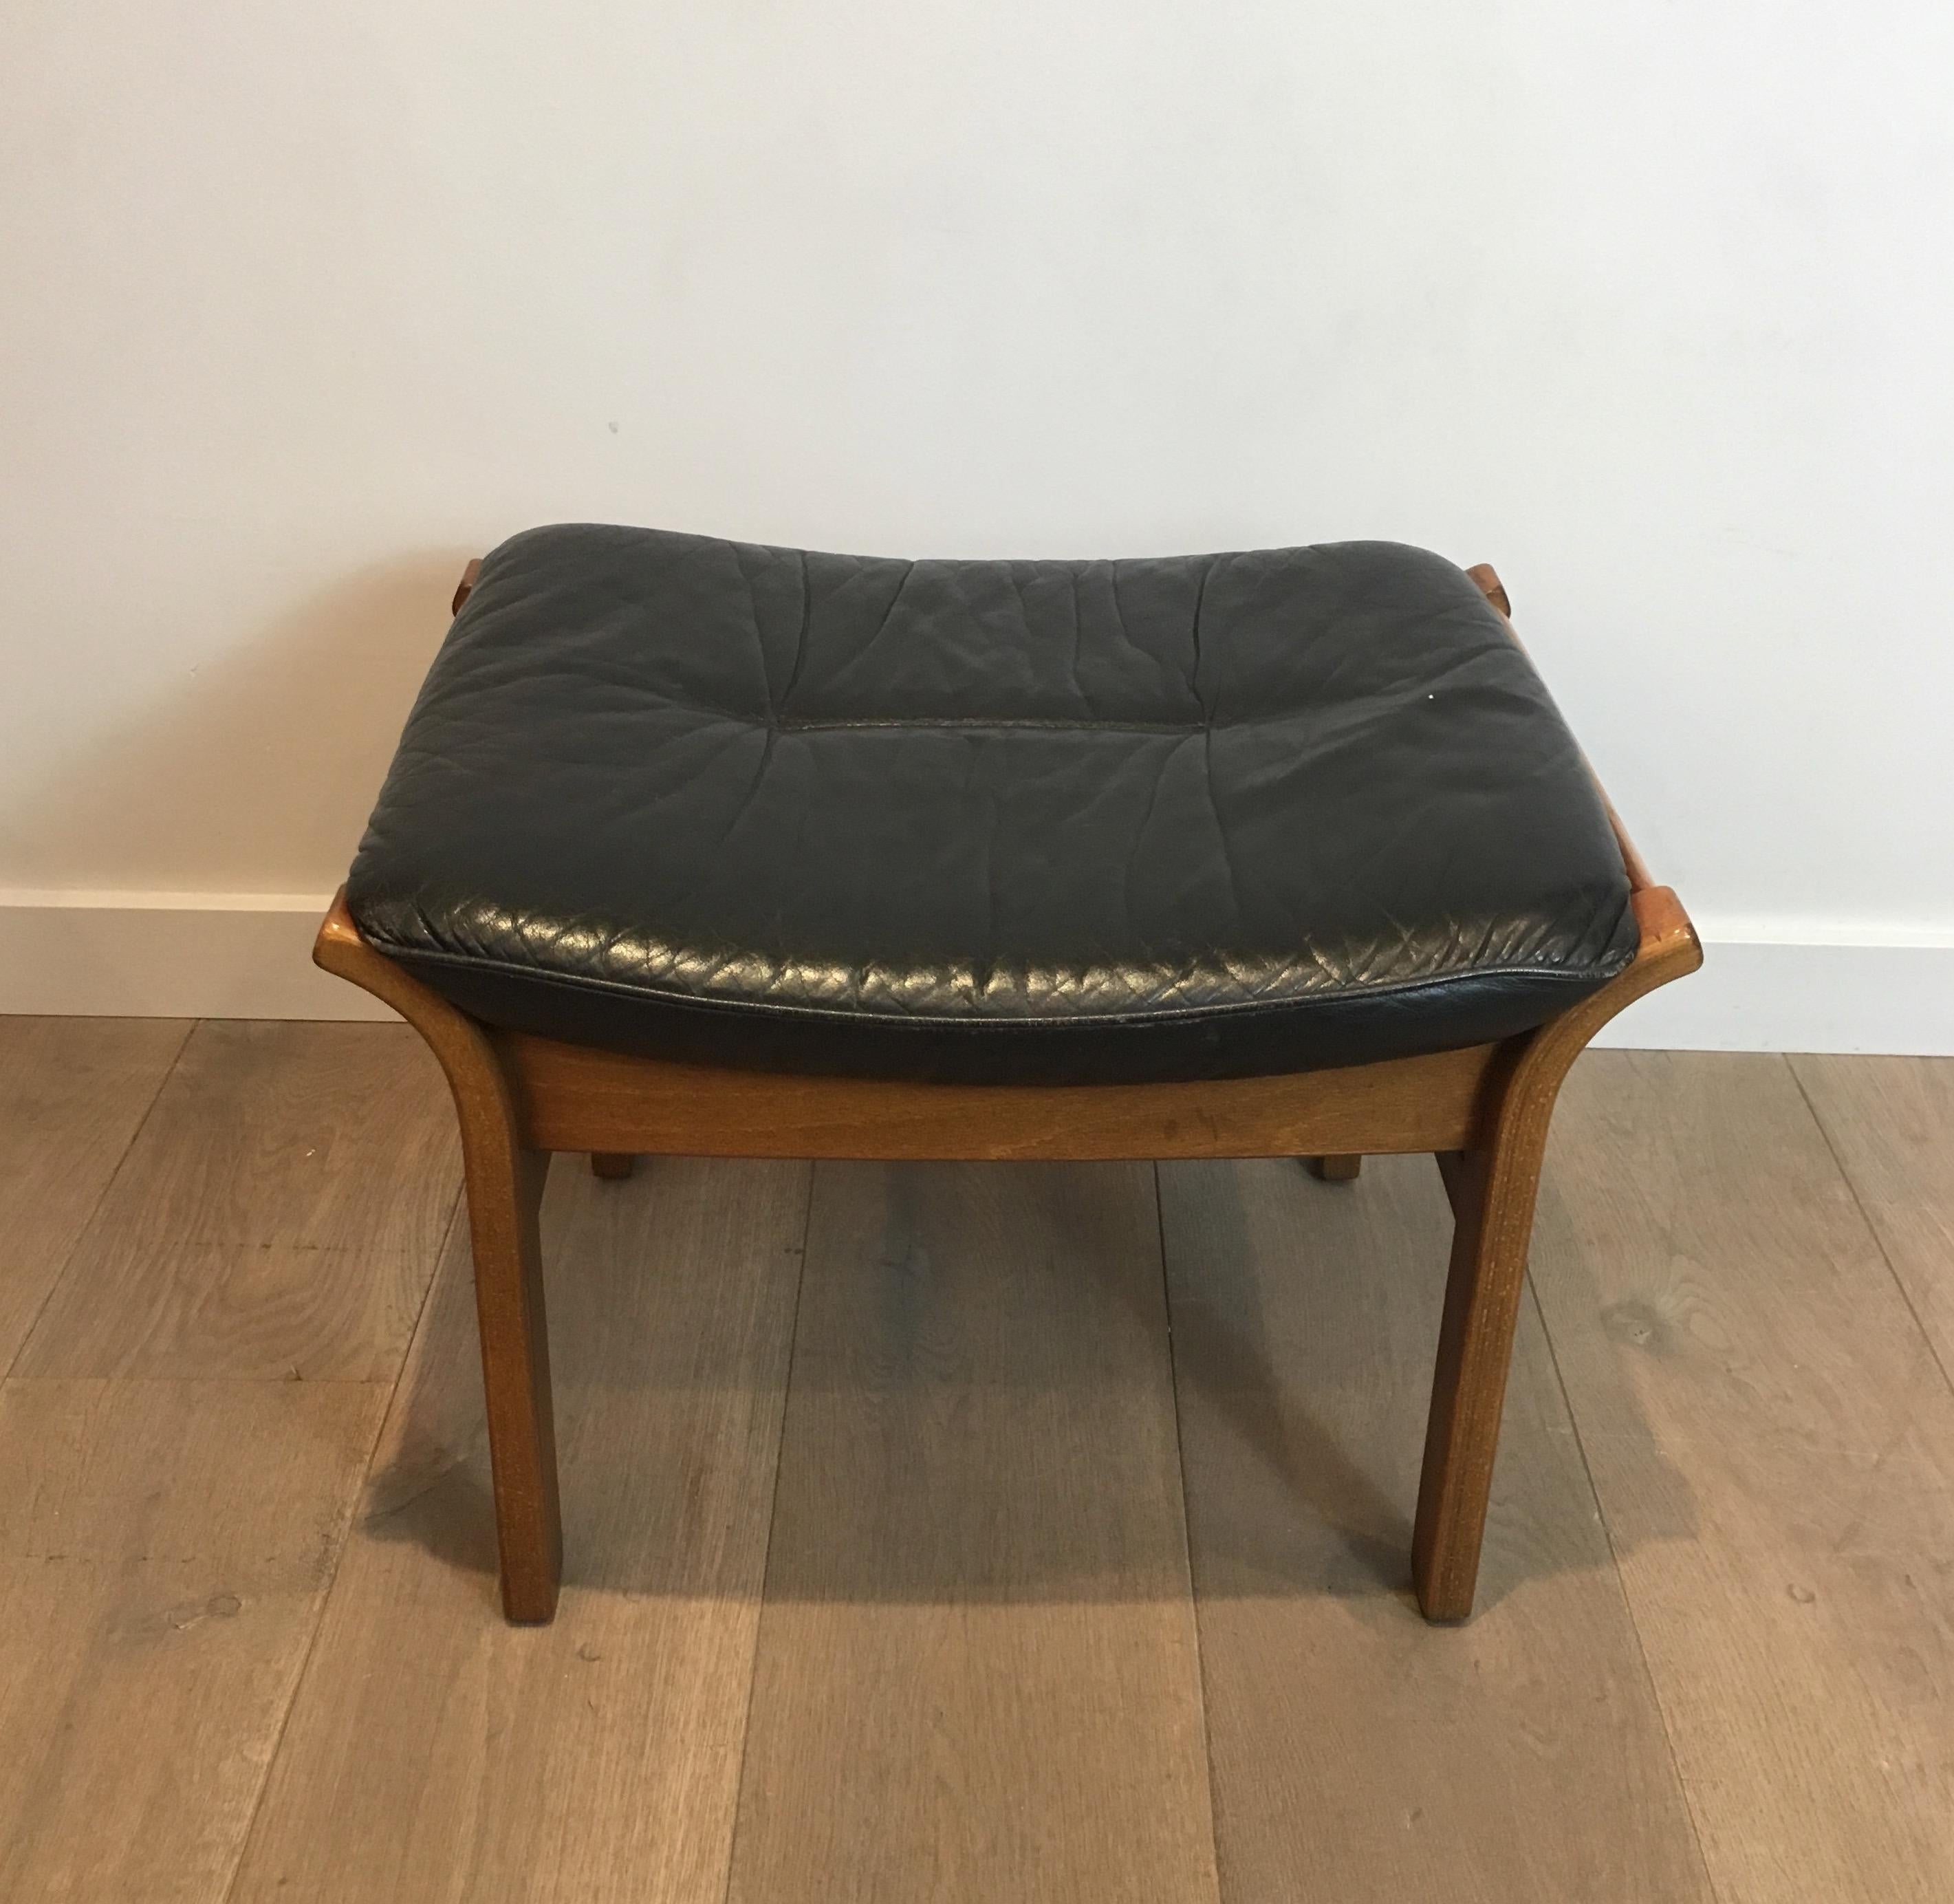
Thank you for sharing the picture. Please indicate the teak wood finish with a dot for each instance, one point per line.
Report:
(1483, 1112)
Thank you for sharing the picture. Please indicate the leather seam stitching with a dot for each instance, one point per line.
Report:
(1593, 977)
(953, 721)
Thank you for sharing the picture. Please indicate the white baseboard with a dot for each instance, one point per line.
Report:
(1801, 995)
(170, 955)
(249, 955)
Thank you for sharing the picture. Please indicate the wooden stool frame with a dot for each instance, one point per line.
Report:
(1482, 1112)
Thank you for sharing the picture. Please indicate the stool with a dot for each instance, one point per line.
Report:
(699, 847)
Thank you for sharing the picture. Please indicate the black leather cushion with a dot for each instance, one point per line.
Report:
(1203, 816)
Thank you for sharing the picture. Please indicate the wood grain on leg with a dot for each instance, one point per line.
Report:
(1482, 1298)
(504, 1204)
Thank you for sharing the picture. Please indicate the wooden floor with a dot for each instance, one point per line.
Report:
(965, 1532)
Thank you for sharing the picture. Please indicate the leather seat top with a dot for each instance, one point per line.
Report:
(1200, 816)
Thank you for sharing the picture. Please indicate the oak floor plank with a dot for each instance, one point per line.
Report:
(1359, 1753)
(164, 1550)
(279, 1216)
(1773, 1443)
(978, 1674)
(975, 1672)
(72, 1092)
(1891, 1124)
(433, 1752)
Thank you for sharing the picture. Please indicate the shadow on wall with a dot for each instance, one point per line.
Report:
(258, 772)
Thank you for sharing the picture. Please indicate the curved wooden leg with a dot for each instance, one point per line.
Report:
(505, 1194)
(1492, 1192)
(612, 1165)
(505, 1188)
(1335, 1170)
(1493, 1187)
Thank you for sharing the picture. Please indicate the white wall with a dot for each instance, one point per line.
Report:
(1649, 304)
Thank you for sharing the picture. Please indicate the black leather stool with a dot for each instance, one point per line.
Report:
(694, 846)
